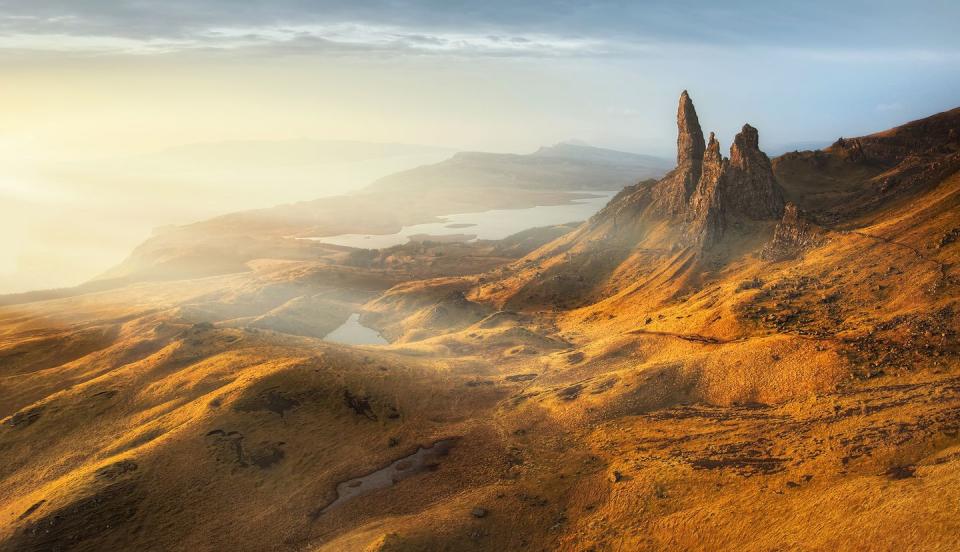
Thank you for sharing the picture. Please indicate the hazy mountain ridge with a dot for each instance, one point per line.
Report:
(467, 182)
(111, 203)
(563, 166)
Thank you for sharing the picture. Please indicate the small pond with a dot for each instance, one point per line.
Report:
(424, 459)
(352, 332)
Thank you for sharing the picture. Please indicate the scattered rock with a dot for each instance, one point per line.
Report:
(24, 418)
(752, 283)
(949, 237)
(359, 404)
(570, 393)
(901, 472)
(115, 470)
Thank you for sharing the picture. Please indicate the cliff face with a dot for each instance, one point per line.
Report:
(856, 176)
(741, 187)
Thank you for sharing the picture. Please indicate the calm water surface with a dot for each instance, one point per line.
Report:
(488, 225)
(352, 332)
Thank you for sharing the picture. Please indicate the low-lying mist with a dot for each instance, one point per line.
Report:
(69, 221)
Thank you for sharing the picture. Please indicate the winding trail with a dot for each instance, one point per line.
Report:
(942, 269)
(696, 338)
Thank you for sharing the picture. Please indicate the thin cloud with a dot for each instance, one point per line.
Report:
(349, 37)
(857, 31)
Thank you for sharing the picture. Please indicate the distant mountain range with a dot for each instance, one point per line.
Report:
(564, 166)
(466, 182)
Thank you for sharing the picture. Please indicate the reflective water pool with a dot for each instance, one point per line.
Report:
(352, 332)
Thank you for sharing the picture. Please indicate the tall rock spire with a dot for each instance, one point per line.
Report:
(712, 153)
(690, 144)
(674, 191)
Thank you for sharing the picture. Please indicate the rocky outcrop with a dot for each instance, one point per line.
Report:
(698, 202)
(753, 191)
(868, 172)
(741, 187)
(792, 236)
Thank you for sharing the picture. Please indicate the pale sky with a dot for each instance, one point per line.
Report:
(89, 80)
(495, 75)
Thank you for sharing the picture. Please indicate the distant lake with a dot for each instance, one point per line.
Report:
(352, 332)
(487, 225)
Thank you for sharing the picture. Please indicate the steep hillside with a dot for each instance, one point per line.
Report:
(856, 176)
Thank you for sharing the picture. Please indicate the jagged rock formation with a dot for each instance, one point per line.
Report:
(793, 234)
(705, 193)
(682, 181)
(754, 191)
(706, 223)
(656, 241)
(655, 234)
(742, 187)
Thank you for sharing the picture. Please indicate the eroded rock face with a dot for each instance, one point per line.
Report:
(705, 221)
(792, 235)
(753, 191)
(690, 146)
(674, 191)
(741, 187)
